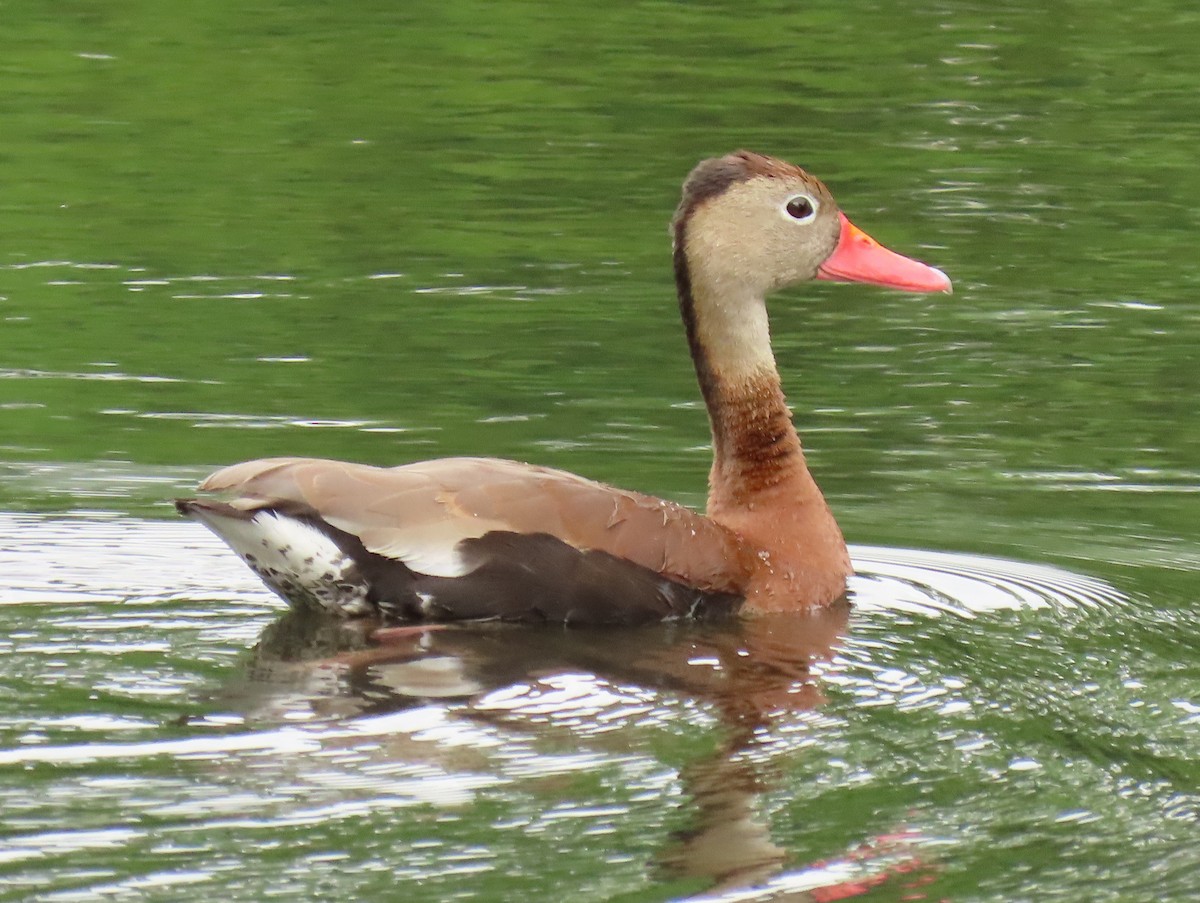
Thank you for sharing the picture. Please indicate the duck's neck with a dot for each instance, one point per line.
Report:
(760, 486)
(756, 452)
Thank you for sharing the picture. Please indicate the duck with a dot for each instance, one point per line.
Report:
(485, 539)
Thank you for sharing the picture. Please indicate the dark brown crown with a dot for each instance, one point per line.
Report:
(715, 176)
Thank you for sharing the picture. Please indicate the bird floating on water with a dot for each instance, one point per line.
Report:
(483, 538)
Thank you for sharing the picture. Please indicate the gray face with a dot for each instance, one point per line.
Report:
(752, 223)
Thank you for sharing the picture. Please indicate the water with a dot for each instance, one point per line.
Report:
(969, 714)
(385, 234)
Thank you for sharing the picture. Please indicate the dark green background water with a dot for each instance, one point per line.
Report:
(389, 231)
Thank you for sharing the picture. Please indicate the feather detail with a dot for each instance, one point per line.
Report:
(421, 514)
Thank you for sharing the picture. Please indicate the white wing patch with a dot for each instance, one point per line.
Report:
(436, 561)
(430, 548)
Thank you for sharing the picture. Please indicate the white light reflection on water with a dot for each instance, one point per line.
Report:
(932, 583)
(91, 559)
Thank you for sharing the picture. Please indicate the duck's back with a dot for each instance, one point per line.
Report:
(471, 537)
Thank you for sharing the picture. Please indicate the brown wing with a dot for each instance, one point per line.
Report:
(418, 512)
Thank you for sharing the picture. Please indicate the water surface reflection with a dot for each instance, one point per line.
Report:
(813, 757)
(595, 686)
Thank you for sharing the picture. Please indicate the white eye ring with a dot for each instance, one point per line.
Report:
(800, 208)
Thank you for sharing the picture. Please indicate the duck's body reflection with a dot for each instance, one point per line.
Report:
(748, 668)
(748, 672)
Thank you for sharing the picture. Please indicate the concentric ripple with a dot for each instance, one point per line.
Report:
(936, 583)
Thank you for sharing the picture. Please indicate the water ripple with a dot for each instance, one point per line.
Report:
(933, 583)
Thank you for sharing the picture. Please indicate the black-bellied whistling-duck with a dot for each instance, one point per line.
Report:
(481, 538)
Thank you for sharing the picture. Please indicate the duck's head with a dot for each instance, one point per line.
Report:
(748, 222)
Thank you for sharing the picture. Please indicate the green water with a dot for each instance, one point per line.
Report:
(386, 232)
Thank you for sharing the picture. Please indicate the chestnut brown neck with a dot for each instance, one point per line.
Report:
(755, 446)
(760, 486)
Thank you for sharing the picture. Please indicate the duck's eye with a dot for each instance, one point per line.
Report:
(801, 208)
